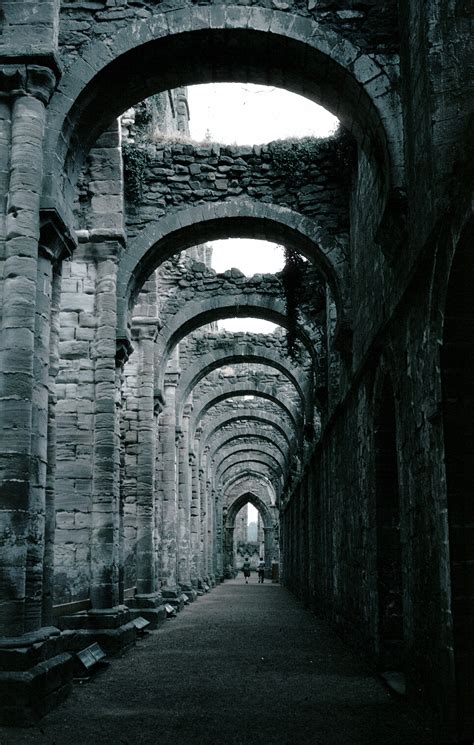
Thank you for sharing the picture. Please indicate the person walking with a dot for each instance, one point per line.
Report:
(246, 568)
(261, 570)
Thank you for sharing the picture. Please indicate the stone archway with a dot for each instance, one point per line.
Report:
(253, 354)
(267, 45)
(239, 219)
(270, 550)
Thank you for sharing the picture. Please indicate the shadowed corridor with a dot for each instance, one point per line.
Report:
(245, 664)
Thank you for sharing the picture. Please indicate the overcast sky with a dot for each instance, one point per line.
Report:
(246, 114)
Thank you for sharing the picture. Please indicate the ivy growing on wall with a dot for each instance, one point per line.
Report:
(292, 280)
(292, 158)
(135, 159)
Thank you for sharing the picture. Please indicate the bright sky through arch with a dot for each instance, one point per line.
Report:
(247, 114)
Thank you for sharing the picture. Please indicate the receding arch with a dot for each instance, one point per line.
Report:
(262, 459)
(247, 465)
(225, 450)
(241, 354)
(212, 44)
(222, 460)
(249, 476)
(232, 510)
(257, 417)
(171, 234)
(248, 498)
(203, 405)
(202, 312)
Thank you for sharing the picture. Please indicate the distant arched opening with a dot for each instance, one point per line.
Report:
(457, 369)
(265, 542)
(389, 562)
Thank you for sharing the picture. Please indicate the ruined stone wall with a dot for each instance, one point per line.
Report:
(371, 26)
(340, 491)
(177, 175)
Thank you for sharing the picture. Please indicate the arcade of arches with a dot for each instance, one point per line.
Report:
(134, 431)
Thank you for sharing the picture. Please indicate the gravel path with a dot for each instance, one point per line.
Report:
(244, 665)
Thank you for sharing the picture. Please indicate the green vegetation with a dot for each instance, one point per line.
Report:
(292, 158)
(135, 159)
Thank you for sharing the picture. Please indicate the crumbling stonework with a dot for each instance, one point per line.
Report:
(133, 431)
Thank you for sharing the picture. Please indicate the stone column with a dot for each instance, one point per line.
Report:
(167, 485)
(209, 520)
(50, 508)
(147, 601)
(146, 575)
(104, 542)
(228, 552)
(184, 505)
(219, 535)
(23, 416)
(195, 523)
(24, 408)
(204, 507)
(268, 549)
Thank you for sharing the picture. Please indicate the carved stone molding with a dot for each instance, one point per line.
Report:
(56, 241)
(34, 80)
(123, 351)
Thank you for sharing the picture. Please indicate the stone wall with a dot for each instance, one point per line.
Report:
(373, 28)
(177, 175)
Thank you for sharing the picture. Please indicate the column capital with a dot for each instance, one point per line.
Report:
(23, 77)
(187, 410)
(172, 379)
(124, 349)
(144, 328)
(56, 241)
(158, 403)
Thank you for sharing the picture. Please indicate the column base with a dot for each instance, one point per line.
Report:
(174, 596)
(149, 606)
(203, 584)
(112, 628)
(36, 671)
(189, 591)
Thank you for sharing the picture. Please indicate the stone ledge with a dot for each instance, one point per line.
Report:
(26, 696)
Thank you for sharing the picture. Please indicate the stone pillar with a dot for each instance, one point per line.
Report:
(195, 523)
(209, 519)
(26, 689)
(219, 535)
(268, 549)
(23, 416)
(104, 543)
(204, 537)
(167, 485)
(229, 566)
(184, 505)
(50, 507)
(147, 601)
(146, 575)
